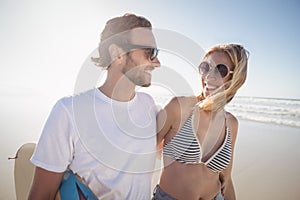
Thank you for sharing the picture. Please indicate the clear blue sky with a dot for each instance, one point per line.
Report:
(44, 43)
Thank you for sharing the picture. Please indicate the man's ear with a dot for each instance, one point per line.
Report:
(115, 52)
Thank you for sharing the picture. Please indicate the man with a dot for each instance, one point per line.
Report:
(106, 136)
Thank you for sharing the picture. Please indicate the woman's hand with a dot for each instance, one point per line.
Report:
(223, 183)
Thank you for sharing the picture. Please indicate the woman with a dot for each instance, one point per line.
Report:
(198, 134)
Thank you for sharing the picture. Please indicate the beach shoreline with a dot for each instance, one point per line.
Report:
(266, 162)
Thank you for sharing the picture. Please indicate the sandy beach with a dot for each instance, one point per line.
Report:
(266, 165)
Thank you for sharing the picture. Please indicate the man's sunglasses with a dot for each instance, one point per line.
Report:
(220, 69)
(152, 52)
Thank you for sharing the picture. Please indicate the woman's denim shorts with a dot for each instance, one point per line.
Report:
(158, 194)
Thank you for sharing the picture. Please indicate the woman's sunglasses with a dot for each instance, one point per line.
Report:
(152, 52)
(220, 69)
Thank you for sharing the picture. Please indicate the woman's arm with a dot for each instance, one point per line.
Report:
(165, 119)
(162, 127)
(45, 184)
(173, 114)
(225, 176)
(227, 187)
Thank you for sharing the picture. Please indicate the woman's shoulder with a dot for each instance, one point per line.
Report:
(186, 100)
(231, 118)
(181, 104)
(232, 123)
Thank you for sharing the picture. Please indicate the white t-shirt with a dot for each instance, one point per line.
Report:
(110, 144)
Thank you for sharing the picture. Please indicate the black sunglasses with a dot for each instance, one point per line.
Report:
(152, 52)
(221, 69)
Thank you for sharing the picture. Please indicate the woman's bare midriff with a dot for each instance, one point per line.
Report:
(189, 181)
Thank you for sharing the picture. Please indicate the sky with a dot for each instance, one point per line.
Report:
(45, 43)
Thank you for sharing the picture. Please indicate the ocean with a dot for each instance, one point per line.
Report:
(266, 110)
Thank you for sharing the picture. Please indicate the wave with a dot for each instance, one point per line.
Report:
(277, 111)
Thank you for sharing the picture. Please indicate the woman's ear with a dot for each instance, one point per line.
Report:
(115, 52)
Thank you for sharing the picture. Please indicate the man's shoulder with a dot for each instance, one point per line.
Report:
(69, 101)
(144, 94)
(145, 97)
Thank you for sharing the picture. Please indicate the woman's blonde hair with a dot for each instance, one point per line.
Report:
(239, 58)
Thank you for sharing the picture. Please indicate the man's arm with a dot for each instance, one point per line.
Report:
(45, 184)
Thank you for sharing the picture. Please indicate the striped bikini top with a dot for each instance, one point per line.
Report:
(185, 148)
